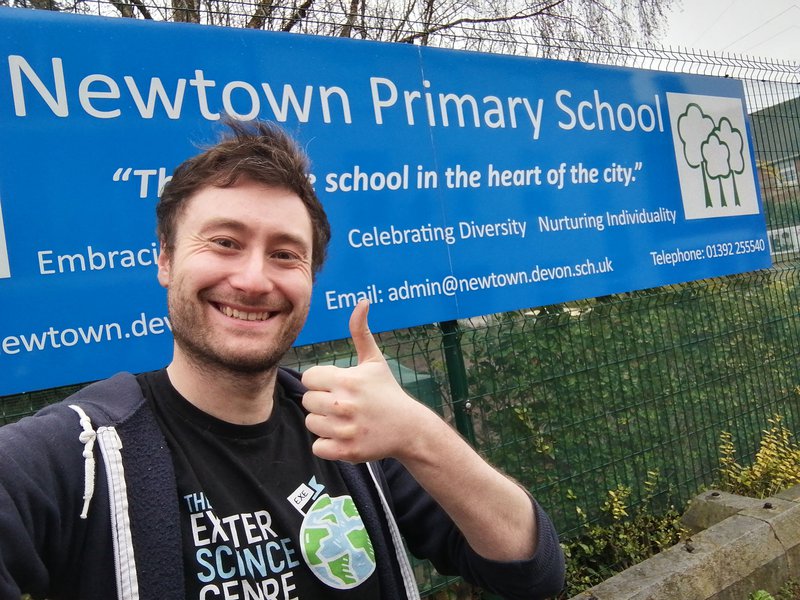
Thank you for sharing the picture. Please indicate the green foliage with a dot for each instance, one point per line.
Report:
(602, 550)
(783, 205)
(789, 591)
(776, 465)
(623, 540)
(592, 394)
(456, 591)
(575, 400)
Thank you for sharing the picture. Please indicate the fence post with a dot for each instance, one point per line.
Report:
(457, 378)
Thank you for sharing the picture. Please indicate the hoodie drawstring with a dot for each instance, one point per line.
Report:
(409, 581)
(87, 438)
(110, 446)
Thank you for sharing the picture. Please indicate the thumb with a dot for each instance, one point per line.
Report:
(366, 347)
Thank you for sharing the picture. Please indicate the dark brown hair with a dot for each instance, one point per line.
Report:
(257, 151)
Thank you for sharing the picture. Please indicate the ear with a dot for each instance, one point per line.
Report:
(164, 263)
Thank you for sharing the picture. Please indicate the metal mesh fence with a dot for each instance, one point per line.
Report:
(575, 399)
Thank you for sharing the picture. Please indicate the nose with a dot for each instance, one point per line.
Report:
(252, 274)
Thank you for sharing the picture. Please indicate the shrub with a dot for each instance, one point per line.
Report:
(776, 465)
(602, 550)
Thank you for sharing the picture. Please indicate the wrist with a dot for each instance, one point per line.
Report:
(426, 436)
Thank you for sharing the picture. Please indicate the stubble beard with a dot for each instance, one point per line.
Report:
(195, 339)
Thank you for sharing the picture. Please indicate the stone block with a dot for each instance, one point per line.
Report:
(711, 507)
(727, 561)
(791, 494)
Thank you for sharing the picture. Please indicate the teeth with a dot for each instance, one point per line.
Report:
(244, 316)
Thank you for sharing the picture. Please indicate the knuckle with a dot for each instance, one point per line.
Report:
(349, 454)
(308, 374)
(349, 432)
(346, 409)
(350, 379)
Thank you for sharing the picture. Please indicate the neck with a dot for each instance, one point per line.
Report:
(239, 398)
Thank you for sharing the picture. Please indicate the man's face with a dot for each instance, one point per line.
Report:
(238, 276)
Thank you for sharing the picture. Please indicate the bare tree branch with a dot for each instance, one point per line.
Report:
(480, 20)
(352, 13)
(567, 29)
(44, 5)
(185, 11)
(297, 16)
(125, 9)
(262, 12)
(142, 9)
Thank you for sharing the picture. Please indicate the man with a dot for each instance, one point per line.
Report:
(224, 476)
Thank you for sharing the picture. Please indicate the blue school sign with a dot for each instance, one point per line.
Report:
(457, 183)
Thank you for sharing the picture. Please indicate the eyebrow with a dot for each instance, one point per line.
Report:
(222, 223)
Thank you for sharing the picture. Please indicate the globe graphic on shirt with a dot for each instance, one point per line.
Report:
(335, 544)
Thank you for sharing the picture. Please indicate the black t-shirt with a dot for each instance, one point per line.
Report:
(261, 516)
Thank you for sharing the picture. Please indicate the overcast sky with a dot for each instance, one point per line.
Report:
(759, 28)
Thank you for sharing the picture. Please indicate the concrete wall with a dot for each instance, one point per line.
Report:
(738, 545)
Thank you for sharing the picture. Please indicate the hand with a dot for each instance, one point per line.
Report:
(361, 413)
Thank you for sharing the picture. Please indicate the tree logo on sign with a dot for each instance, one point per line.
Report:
(712, 153)
(716, 149)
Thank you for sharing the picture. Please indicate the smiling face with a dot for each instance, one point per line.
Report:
(238, 277)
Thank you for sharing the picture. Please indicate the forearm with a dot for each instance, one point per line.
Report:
(493, 513)
(432, 534)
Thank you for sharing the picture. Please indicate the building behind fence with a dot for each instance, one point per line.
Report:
(576, 399)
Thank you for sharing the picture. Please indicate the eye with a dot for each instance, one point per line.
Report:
(226, 243)
(284, 255)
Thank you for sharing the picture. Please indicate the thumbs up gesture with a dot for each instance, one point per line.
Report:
(361, 413)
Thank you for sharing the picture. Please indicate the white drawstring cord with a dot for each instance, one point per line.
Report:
(110, 446)
(127, 578)
(87, 438)
(409, 581)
